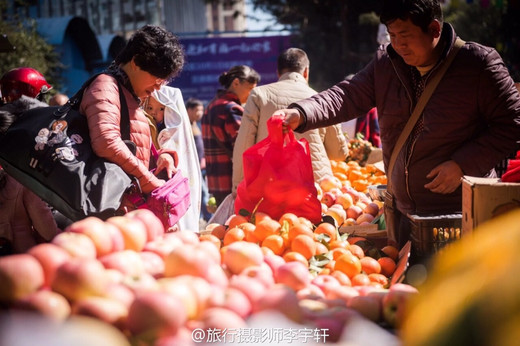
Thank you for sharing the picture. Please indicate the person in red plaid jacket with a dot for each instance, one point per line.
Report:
(220, 125)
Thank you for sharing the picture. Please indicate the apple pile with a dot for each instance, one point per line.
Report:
(157, 287)
(346, 205)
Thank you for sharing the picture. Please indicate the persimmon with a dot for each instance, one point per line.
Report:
(360, 280)
(299, 229)
(354, 239)
(305, 245)
(234, 234)
(343, 278)
(391, 251)
(290, 256)
(348, 264)
(339, 244)
(219, 231)
(291, 219)
(357, 250)
(235, 220)
(336, 252)
(328, 229)
(320, 249)
(212, 239)
(249, 230)
(266, 228)
(388, 266)
(260, 216)
(370, 265)
(378, 278)
(274, 242)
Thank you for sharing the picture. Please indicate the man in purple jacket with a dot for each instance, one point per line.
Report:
(470, 123)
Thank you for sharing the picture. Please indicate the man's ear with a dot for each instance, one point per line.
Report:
(435, 28)
(305, 73)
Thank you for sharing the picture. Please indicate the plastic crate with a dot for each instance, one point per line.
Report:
(431, 233)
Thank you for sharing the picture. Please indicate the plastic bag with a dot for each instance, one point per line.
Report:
(278, 174)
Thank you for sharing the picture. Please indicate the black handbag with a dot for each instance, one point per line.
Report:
(48, 150)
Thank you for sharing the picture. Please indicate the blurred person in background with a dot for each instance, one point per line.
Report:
(292, 85)
(195, 109)
(58, 99)
(25, 219)
(220, 125)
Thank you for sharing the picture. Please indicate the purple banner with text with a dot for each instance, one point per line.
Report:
(207, 58)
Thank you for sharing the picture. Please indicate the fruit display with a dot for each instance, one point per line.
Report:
(158, 288)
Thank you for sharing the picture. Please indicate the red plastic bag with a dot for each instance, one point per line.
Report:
(279, 170)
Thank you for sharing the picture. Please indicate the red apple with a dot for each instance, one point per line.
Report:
(50, 257)
(328, 199)
(187, 259)
(95, 229)
(232, 299)
(368, 306)
(220, 319)
(163, 245)
(76, 244)
(118, 242)
(251, 287)
(153, 263)
(20, 275)
(280, 298)
(133, 230)
(48, 303)
(263, 273)
(325, 283)
(354, 212)
(108, 310)
(240, 255)
(345, 200)
(79, 278)
(128, 262)
(155, 314)
(293, 274)
(154, 225)
(372, 209)
(396, 302)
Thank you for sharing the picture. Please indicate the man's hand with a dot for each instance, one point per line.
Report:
(446, 177)
(292, 118)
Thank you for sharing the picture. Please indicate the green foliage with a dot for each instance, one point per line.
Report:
(31, 51)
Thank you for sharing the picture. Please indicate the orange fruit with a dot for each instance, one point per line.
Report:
(328, 229)
(305, 245)
(299, 229)
(357, 250)
(219, 231)
(211, 238)
(343, 278)
(260, 216)
(266, 228)
(306, 222)
(360, 280)
(387, 266)
(378, 278)
(339, 244)
(291, 219)
(320, 249)
(370, 265)
(391, 251)
(235, 220)
(336, 252)
(249, 230)
(348, 264)
(353, 240)
(266, 251)
(274, 242)
(234, 234)
(295, 256)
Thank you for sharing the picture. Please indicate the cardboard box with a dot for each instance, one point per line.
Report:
(485, 198)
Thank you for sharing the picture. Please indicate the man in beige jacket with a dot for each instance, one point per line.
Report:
(292, 85)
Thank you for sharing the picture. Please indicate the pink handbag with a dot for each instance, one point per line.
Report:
(170, 201)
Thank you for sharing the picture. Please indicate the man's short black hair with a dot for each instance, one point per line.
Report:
(155, 50)
(292, 60)
(420, 12)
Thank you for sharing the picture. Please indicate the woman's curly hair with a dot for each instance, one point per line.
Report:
(155, 50)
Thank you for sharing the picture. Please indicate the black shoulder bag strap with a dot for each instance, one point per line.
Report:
(421, 103)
